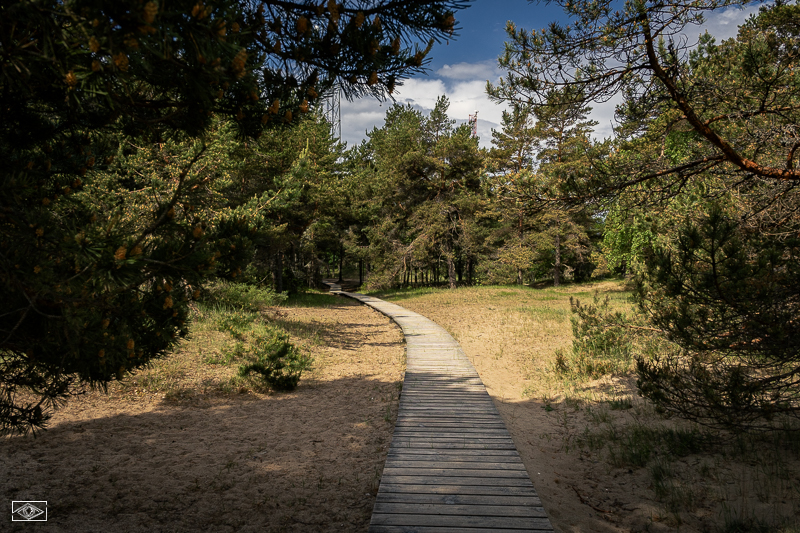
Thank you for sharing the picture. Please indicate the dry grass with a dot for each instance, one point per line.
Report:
(185, 446)
(600, 457)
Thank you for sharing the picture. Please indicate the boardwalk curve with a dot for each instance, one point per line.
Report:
(452, 466)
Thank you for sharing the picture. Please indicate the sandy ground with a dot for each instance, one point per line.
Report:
(581, 490)
(204, 460)
(197, 459)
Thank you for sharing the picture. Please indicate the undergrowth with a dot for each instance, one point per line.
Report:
(262, 351)
(229, 296)
(602, 344)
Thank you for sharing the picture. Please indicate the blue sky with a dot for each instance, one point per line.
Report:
(461, 68)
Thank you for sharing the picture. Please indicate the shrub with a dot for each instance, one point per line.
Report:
(603, 342)
(278, 362)
(236, 323)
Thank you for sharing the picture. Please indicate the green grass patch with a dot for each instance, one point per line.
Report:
(229, 296)
(314, 299)
(406, 293)
(263, 352)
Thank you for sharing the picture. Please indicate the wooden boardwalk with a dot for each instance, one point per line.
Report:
(452, 466)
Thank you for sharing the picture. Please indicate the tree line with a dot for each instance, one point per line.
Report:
(151, 149)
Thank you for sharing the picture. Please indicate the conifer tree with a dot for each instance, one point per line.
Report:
(543, 149)
(425, 177)
(512, 162)
(110, 168)
(707, 143)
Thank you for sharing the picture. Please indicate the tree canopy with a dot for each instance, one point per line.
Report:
(122, 129)
(703, 169)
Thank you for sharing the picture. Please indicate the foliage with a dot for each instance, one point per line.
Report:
(241, 296)
(260, 349)
(541, 148)
(603, 342)
(701, 179)
(122, 126)
(296, 174)
(417, 193)
(726, 298)
(276, 361)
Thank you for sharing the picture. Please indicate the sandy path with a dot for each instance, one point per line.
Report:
(309, 460)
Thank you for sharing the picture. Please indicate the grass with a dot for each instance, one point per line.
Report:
(701, 480)
(234, 336)
(313, 299)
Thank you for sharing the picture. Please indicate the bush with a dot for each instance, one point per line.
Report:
(278, 362)
(236, 323)
(603, 342)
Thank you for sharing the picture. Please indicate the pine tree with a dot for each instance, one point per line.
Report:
(109, 206)
(706, 148)
(540, 151)
(512, 161)
(423, 178)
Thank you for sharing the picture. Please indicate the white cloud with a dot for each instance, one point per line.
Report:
(470, 71)
(466, 97)
(465, 85)
(421, 92)
(724, 24)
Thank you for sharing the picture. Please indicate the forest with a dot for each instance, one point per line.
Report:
(153, 150)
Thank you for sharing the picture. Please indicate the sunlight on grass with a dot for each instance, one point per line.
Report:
(520, 340)
(529, 327)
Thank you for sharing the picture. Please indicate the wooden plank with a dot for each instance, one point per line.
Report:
(490, 456)
(443, 529)
(452, 465)
(452, 457)
(431, 417)
(432, 421)
(474, 472)
(463, 499)
(463, 521)
(451, 415)
(443, 393)
(442, 424)
(486, 465)
(485, 403)
(424, 430)
(447, 453)
(411, 399)
(457, 480)
(459, 509)
(485, 441)
(450, 434)
(420, 410)
(388, 487)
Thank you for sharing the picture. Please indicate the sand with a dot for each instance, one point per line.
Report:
(309, 460)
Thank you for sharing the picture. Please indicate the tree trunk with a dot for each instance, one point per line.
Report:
(341, 262)
(557, 268)
(521, 235)
(360, 271)
(451, 272)
(279, 272)
(451, 266)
